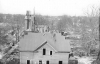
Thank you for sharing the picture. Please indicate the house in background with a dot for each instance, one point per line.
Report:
(43, 47)
(42, 28)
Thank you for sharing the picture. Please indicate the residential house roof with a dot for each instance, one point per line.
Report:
(61, 43)
(32, 41)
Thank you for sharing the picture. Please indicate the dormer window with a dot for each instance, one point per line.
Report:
(44, 51)
(50, 52)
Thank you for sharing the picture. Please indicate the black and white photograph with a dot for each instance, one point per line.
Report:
(49, 31)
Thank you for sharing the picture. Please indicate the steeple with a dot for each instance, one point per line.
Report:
(33, 21)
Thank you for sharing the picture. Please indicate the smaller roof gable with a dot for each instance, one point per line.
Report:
(50, 40)
(45, 44)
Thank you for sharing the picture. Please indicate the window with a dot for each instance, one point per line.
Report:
(47, 62)
(40, 61)
(60, 62)
(50, 52)
(44, 51)
(28, 61)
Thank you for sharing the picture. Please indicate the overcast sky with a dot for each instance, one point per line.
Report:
(47, 7)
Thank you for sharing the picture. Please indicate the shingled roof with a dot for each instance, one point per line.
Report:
(32, 41)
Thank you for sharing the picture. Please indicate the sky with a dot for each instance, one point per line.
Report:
(48, 7)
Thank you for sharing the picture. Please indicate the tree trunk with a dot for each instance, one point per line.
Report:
(99, 36)
(98, 58)
(97, 61)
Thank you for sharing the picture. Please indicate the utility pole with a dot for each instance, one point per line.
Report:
(34, 20)
(18, 32)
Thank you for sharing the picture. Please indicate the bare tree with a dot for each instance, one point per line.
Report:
(92, 11)
(95, 14)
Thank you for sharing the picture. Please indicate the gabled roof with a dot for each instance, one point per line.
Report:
(45, 44)
(32, 41)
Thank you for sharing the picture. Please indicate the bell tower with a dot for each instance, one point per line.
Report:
(28, 22)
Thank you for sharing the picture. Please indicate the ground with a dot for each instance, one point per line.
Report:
(85, 60)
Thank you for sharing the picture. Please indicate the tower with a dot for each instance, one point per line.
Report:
(33, 22)
(28, 21)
